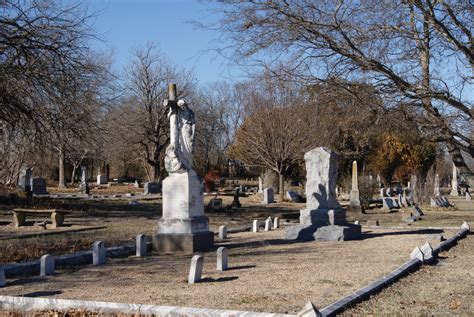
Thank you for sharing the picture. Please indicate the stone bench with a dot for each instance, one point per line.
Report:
(57, 216)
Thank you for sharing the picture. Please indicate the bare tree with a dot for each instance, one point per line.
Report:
(403, 49)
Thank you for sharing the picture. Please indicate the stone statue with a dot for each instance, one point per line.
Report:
(179, 154)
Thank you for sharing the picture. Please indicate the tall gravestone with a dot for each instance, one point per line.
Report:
(25, 179)
(183, 227)
(436, 192)
(84, 186)
(454, 182)
(323, 218)
(354, 199)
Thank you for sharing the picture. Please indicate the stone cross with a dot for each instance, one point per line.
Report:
(354, 199)
(141, 247)
(47, 265)
(195, 272)
(222, 258)
(99, 253)
(454, 182)
(436, 192)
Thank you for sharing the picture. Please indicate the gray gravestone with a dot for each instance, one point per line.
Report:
(47, 265)
(141, 247)
(99, 253)
(195, 272)
(222, 258)
(38, 186)
(268, 196)
(222, 232)
(151, 188)
(215, 203)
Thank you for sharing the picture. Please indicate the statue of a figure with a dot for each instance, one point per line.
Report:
(179, 154)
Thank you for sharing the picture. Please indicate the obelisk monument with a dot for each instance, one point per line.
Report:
(454, 182)
(354, 198)
(183, 227)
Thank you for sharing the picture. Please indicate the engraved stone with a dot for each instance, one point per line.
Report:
(222, 256)
(195, 272)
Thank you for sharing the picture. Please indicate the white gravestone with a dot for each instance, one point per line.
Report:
(255, 226)
(268, 224)
(276, 223)
(260, 184)
(417, 254)
(427, 252)
(222, 232)
(354, 199)
(195, 272)
(323, 218)
(183, 227)
(222, 257)
(140, 244)
(454, 182)
(47, 265)
(99, 253)
(268, 196)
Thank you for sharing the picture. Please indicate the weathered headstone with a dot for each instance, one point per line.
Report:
(417, 254)
(454, 182)
(151, 188)
(276, 223)
(183, 227)
(47, 265)
(255, 226)
(293, 196)
(388, 203)
(140, 245)
(215, 203)
(417, 211)
(436, 192)
(465, 225)
(354, 199)
(136, 184)
(84, 185)
(2, 277)
(222, 232)
(99, 253)
(38, 186)
(268, 224)
(268, 196)
(102, 179)
(222, 259)
(25, 179)
(322, 208)
(195, 271)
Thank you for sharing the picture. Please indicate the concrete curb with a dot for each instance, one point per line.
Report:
(12, 303)
(392, 277)
(78, 258)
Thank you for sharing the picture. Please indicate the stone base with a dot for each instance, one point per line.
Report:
(323, 217)
(323, 233)
(183, 243)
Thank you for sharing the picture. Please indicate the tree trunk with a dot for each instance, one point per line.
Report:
(155, 172)
(62, 181)
(281, 189)
(73, 175)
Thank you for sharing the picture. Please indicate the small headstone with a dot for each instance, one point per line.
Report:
(268, 196)
(388, 203)
(38, 186)
(2, 277)
(465, 225)
(222, 232)
(151, 188)
(309, 310)
(276, 223)
(215, 203)
(468, 196)
(268, 224)
(427, 252)
(255, 226)
(356, 222)
(382, 192)
(222, 256)
(47, 265)
(195, 272)
(444, 201)
(293, 196)
(242, 188)
(136, 184)
(99, 253)
(433, 203)
(102, 179)
(417, 211)
(417, 254)
(141, 247)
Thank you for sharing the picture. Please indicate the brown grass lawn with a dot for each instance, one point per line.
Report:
(267, 273)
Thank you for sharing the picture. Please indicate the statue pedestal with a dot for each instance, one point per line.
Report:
(183, 227)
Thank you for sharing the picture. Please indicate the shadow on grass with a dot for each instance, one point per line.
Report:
(220, 279)
(371, 234)
(41, 293)
(241, 267)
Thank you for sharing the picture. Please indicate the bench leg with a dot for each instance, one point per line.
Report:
(18, 219)
(57, 219)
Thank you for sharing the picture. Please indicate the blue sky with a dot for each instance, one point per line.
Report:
(129, 24)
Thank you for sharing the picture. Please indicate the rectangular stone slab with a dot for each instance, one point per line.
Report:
(182, 243)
